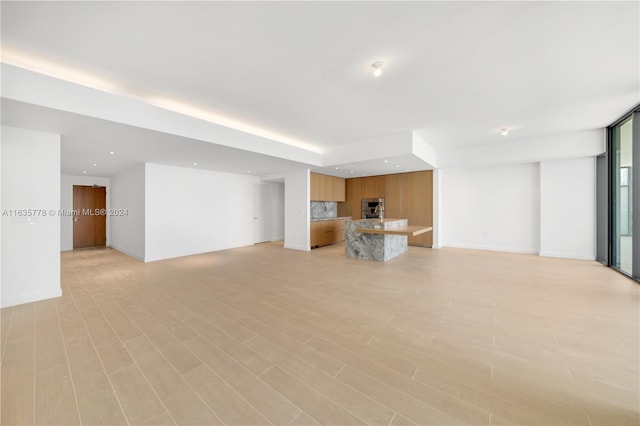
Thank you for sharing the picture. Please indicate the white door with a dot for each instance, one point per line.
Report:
(261, 217)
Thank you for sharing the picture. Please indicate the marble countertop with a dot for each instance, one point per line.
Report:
(379, 223)
(318, 219)
(377, 220)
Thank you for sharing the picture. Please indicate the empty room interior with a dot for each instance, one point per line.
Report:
(319, 213)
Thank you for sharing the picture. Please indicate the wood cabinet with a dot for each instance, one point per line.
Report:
(327, 188)
(325, 232)
(373, 186)
(352, 206)
(406, 196)
(393, 196)
(417, 204)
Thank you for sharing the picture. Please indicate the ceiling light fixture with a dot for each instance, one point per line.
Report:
(385, 161)
(248, 171)
(337, 168)
(397, 165)
(195, 164)
(84, 172)
(504, 131)
(95, 164)
(377, 68)
(351, 171)
(111, 152)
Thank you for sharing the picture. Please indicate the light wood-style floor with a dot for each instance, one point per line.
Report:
(263, 335)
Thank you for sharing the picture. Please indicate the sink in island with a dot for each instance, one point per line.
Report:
(379, 239)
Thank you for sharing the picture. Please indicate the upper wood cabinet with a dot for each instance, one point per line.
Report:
(373, 186)
(327, 188)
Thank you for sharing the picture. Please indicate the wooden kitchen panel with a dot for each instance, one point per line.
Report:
(373, 186)
(318, 187)
(338, 190)
(352, 207)
(393, 196)
(325, 232)
(327, 188)
(417, 204)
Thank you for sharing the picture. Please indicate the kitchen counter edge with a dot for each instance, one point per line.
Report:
(320, 219)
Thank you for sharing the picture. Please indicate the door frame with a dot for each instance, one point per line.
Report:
(261, 193)
(75, 212)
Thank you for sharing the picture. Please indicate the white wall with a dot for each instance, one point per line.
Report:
(66, 203)
(567, 208)
(30, 245)
(190, 211)
(277, 211)
(128, 192)
(296, 210)
(491, 208)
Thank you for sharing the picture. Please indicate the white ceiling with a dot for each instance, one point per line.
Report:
(87, 141)
(455, 72)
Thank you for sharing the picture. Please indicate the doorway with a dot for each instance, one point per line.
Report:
(89, 219)
(261, 213)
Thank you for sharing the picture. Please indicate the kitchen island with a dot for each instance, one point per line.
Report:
(374, 246)
(379, 239)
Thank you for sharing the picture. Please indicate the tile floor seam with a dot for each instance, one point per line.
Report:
(393, 410)
(423, 384)
(177, 372)
(6, 339)
(323, 396)
(237, 391)
(322, 373)
(101, 363)
(392, 417)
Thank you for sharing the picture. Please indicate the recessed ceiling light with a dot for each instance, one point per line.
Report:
(195, 164)
(95, 164)
(337, 168)
(385, 161)
(377, 68)
(84, 172)
(397, 165)
(351, 171)
(248, 171)
(111, 152)
(504, 132)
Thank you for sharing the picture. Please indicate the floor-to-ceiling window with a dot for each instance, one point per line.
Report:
(618, 186)
(622, 196)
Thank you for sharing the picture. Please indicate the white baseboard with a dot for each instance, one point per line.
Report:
(301, 248)
(128, 253)
(567, 255)
(489, 248)
(31, 297)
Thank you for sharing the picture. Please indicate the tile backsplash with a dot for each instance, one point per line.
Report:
(322, 209)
